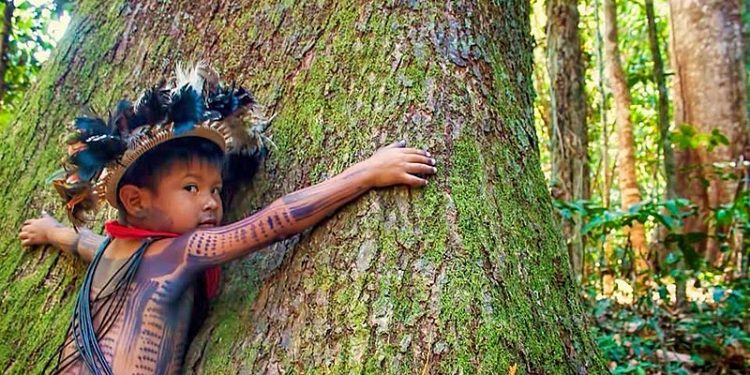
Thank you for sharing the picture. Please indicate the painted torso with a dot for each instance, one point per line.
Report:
(149, 335)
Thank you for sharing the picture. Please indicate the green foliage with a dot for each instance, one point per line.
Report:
(686, 137)
(652, 333)
(641, 335)
(602, 221)
(30, 42)
(649, 336)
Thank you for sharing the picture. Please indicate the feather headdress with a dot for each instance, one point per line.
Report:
(196, 105)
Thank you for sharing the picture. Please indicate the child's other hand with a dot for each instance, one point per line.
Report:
(395, 164)
(35, 231)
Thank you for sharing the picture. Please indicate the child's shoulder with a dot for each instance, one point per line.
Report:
(162, 259)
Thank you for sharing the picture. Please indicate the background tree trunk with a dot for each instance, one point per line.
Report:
(629, 192)
(745, 14)
(668, 161)
(605, 165)
(7, 28)
(709, 93)
(467, 275)
(663, 106)
(568, 130)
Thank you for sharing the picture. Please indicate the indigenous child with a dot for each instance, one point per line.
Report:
(159, 163)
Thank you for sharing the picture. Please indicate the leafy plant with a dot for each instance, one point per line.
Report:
(651, 334)
(686, 137)
(30, 42)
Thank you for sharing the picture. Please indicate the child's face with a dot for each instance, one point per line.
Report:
(186, 197)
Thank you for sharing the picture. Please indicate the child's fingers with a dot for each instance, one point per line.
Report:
(397, 144)
(25, 240)
(417, 168)
(417, 151)
(413, 158)
(414, 181)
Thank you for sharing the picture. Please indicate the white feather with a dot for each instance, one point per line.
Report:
(190, 75)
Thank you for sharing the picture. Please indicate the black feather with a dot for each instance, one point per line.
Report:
(151, 107)
(120, 120)
(100, 150)
(88, 126)
(227, 100)
(103, 144)
(186, 109)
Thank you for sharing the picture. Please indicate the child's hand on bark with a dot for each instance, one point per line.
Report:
(395, 164)
(35, 231)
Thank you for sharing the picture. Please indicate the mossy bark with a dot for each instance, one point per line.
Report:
(569, 140)
(469, 275)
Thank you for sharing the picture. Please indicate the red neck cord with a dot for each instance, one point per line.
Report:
(117, 230)
(212, 276)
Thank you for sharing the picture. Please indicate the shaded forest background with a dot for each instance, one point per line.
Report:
(642, 115)
(642, 108)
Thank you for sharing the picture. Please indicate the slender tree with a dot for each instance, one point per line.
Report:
(665, 141)
(8, 8)
(709, 93)
(467, 275)
(746, 39)
(629, 191)
(663, 102)
(604, 165)
(568, 129)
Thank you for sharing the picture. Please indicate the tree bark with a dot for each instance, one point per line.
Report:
(629, 192)
(663, 104)
(465, 276)
(568, 130)
(745, 13)
(606, 177)
(8, 8)
(666, 145)
(710, 93)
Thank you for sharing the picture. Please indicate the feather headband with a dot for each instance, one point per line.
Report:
(198, 105)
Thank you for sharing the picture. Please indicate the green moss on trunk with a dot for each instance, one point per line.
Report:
(467, 275)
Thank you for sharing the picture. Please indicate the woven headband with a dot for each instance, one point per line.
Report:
(197, 105)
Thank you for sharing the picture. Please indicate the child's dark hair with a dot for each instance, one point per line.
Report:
(150, 167)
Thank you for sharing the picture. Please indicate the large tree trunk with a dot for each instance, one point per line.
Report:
(467, 275)
(709, 93)
(568, 130)
(629, 192)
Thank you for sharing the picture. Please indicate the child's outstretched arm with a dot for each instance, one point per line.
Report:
(46, 230)
(392, 165)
